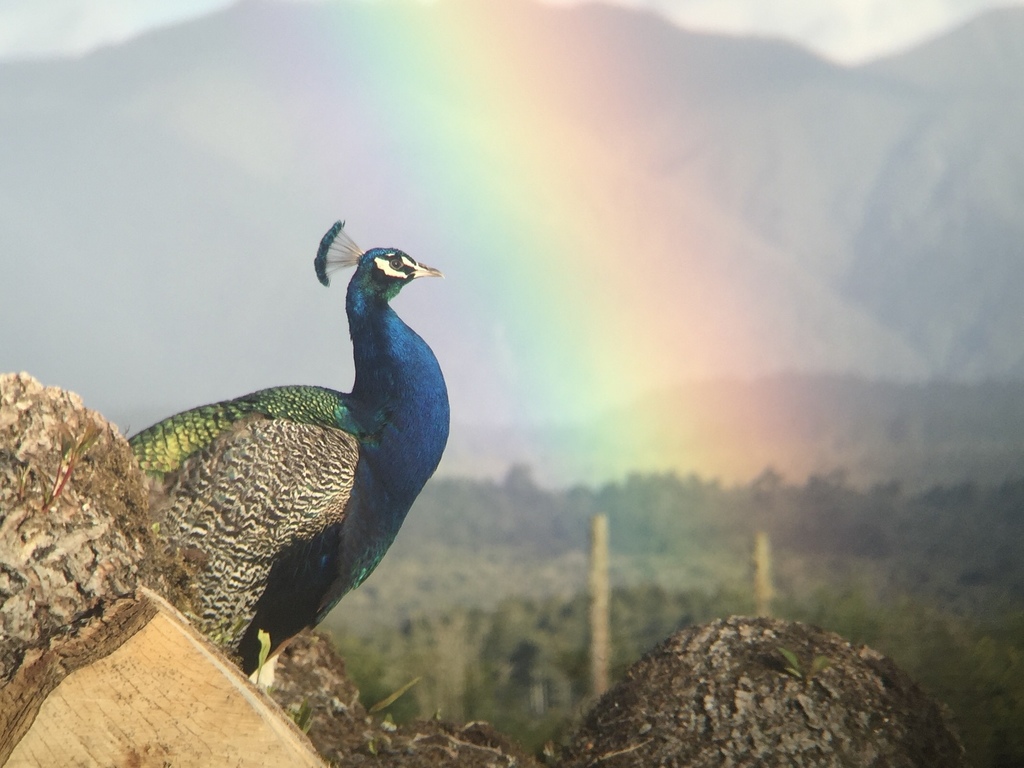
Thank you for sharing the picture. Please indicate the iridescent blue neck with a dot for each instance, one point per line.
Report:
(399, 380)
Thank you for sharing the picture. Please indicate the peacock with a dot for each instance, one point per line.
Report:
(284, 500)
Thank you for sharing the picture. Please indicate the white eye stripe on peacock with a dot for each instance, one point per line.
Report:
(396, 265)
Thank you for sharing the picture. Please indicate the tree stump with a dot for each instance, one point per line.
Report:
(96, 669)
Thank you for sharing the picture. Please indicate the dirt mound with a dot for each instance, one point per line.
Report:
(311, 676)
(748, 692)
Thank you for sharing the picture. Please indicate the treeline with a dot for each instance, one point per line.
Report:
(959, 544)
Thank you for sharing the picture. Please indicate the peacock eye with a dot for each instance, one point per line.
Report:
(396, 262)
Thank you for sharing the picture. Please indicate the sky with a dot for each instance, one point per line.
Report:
(847, 31)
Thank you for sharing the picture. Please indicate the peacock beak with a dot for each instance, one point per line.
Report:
(422, 270)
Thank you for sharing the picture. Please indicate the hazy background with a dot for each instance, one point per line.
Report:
(665, 248)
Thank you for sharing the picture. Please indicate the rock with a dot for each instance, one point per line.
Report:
(720, 695)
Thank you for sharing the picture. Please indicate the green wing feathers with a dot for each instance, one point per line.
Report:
(164, 446)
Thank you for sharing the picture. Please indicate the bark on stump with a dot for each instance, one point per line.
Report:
(94, 668)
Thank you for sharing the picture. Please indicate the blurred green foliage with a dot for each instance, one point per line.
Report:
(489, 579)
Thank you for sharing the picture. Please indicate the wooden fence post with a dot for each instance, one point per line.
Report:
(599, 604)
(763, 590)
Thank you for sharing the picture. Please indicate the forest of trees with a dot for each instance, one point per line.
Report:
(482, 597)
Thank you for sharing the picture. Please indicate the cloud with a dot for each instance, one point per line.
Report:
(29, 28)
(848, 31)
(844, 30)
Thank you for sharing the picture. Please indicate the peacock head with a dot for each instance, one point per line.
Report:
(380, 271)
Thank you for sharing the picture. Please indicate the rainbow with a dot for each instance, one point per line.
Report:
(498, 159)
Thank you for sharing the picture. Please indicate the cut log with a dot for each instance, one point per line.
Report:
(142, 688)
(95, 669)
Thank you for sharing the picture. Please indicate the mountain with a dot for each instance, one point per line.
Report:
(622, 207)
(983, 55)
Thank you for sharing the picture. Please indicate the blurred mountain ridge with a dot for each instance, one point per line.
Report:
(801, 215)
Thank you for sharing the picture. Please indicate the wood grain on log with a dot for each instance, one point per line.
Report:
(147, 690)
(42, 671)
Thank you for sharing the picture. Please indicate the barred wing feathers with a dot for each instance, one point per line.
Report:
(259, 488)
